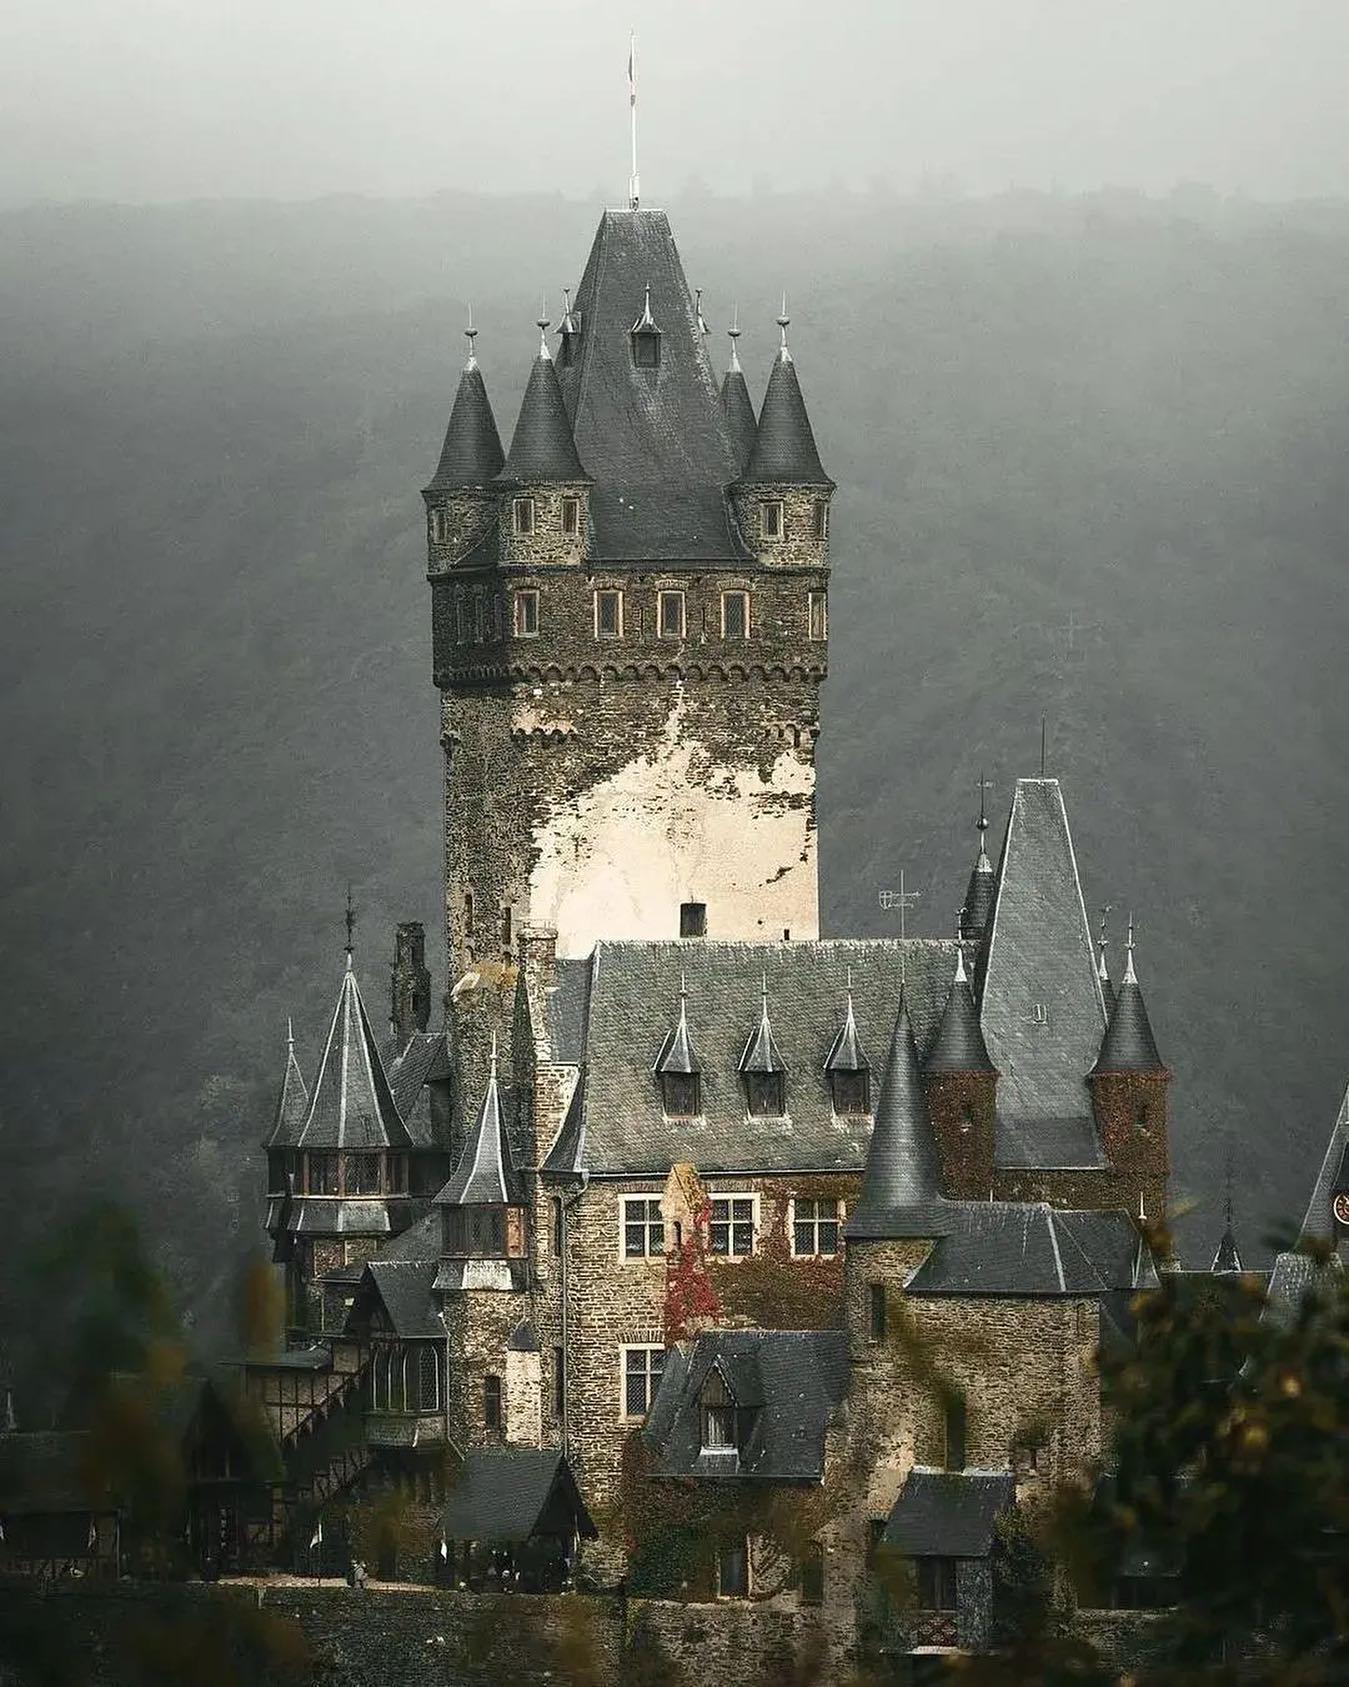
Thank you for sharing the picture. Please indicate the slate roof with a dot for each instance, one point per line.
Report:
(792, 1381)
(1039, 955)
(565, 1005)
(901, 1186)
(508, 1494)
(655, 441)
(40, 1472)
(1015, 1248)
(292, 1103)
(471, 454)
(352, 1105)
(761, 1053)
(616, 1123)
(980, 895)
(420, 1241)
(542, 447)
(784, 445)
(1332, 1179)
(404, 1288)
(948, 1514)
(960, 1043)
(423, 1060)
(737, 409)
(678, 1055)
(1295, 1272)
(1129, 1045)
(485, 1175)
(847, 1053)
(1227, 1258)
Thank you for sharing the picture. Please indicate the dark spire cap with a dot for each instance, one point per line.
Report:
(784, 444)
(471, 454)
(960, 1043)
(542, 447)
(678, 1055)
(738, 409)
(901, 1185)
(485, 1175)
(1128, 1044)
(847, 1054)
(761, 1050)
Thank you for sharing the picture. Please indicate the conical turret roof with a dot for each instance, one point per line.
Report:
(980, 895)
(292, 1102)
(784, 443)
(352, 1105)
(761, 1051)
(901, 1185)
(678, 1056)
(471, 454)
(737, 408)
(542, 447)
(1228, 1257)
(960, 1043)
(1128, 1044)
(485, 1175)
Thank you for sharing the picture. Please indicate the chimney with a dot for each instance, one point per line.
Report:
(538, 955)
(410, 989)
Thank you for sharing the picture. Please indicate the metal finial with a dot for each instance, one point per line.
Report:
(351, 923)
(1130, 976)
(290, 1035)
(470, 334)
(783, 321)
(683, 985)
(734, 334)
(985, 786)
(960, 949)
(698, 311)
(494, 1054)
(541, 322)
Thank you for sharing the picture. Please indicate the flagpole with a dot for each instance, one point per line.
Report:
(634, 187)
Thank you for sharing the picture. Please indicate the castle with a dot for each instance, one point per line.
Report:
(688, 1219)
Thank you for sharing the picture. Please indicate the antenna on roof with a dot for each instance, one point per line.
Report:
(634, 186)
(351, 923)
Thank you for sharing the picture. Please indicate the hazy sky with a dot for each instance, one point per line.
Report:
(166, 99)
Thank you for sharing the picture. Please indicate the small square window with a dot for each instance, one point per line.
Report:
(735, 614)
(815, 1229)
(733, 1570)
(643, 1227)
(571, 517)
(646, 350)
(821, 523)
(670, 610)
(770, 519)
(608, 614)
(817, 616)
(730, 1233)
(681, 1094)
(876, 1311)
(523, 515)
(642, 1367)
(527, 614)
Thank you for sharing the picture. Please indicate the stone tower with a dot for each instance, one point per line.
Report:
(629, 627)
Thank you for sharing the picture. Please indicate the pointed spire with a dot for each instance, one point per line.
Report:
(541, 322)
(784, 446)
(846, 1053)
(568, 324)
(1227, 1259)
(352, 1105)
(646, 323)
(960, 1043)
(737, 407)
(761, 1051)
(542, 447)
(292, 1101)
(471, 454)
(901, 1186)
(1102, 970)
(1128, 1044)
(485, 1175)
(677, 1054)
(981, 892)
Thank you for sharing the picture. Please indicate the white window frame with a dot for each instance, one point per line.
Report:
(523, 517)
(600, 591)
(816, 1221)
(574, 505)
(647, 1223)
(518, 598)
(661, 596)
(749, 1195)
(652, 1376)
(739, 592)
(777, 528)
(812, 599)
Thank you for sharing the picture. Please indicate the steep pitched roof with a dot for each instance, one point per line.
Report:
(1041, 1009)
(901, 1186)
(542, 447)
(1333, 1179)
(761, 1053)
(1227, 1258)
(655, 440)
(737, 409)
(471, 454)
(616, 1122)
(949, 1514)
(1128, 1044)
(960, 1043)
(292, 1103)
(512, 1493)
(784, 444)
(352, 1105)
(847, 1054)
(678, 1055)
(485, 1175)
(422, 1060)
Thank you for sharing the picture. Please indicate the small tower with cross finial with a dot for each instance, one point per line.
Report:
(981, 893)
(460, 504)
(1130, 1083)
(962, 1092)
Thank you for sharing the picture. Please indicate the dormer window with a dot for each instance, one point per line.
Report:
(851, 1092)
(718, 1415)
(678, 1068)
(645, 338)
(681, 1094)
(765, 1095)
(522, 516)
(770, 519)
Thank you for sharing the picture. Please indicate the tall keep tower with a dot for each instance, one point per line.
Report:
(629, 619)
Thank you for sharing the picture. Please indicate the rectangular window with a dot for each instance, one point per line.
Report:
(608, 614)
(428, 1379)
(818, 616)
(642, 1367)
(770, 519)
(498, 616)
(811, 1573)
(876, 1311)
(815, 1229)
(643, 1227)
(851, 1092)
(559, 1383)
(571, 517)
(437, 527)
(479, 615)
(362, 1174)
(681, 1093)
(323, 1174)
(460, 617)
(398, 1174)
(670, 614)
(718, 1428)
(527, 614)
(733, 1570)
(731, 1229)
(693, 919)
(491, 1402)
(522, 513)
(735, 614)
(953, 1429)
(935, 1579)
(821, 519)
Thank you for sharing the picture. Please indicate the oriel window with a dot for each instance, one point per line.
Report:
(527, 614)
(735, 614)
(608, 614)
(522, 515)
(670, 610)
(770, 519)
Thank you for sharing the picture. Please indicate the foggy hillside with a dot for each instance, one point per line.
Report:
(1090, 457)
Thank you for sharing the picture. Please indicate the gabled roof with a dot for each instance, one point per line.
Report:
(352, 1105)
(403, 1288)
(471, 454)
(790, 1382)
(960, 1043)
(784, 444)
(1041, 1010)
(423, 1060)
(1014, 1248)
(1128, 1044)
(293, 1101)
(616, 1122)
(655, 441)
(847, 1055)
(542, 447)
(901, 1186)
(737, 409)
(509, 1494)
(485, 1175)
(761, 1053)
(949, 1514)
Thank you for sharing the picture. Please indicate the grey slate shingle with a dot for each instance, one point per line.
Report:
(784, 443)
(352, 1105)
(507, 1494)
(542, 447)
(471, 454)
(948, 1514)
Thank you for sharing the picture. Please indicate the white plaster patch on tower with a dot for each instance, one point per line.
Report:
(681, 826)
